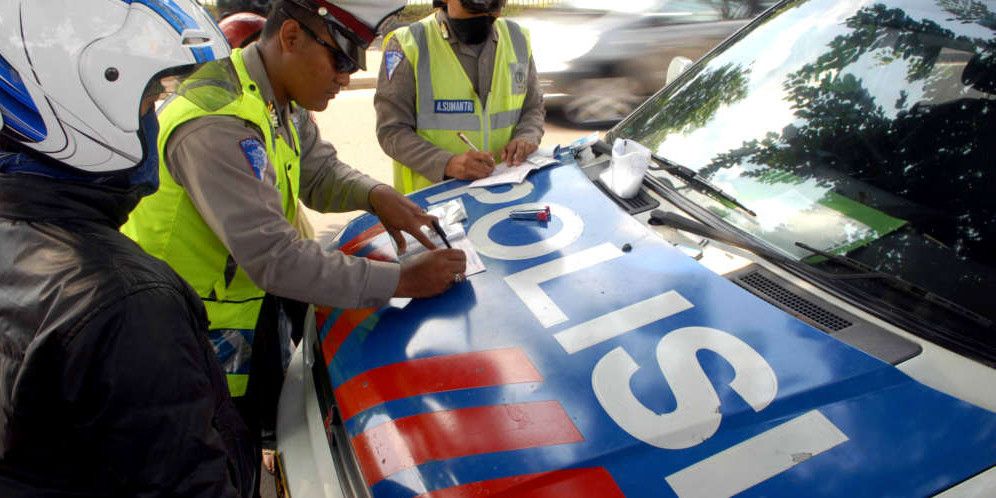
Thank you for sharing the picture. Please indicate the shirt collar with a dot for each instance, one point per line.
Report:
(257, 72)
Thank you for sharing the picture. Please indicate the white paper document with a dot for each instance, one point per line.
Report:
(458, 240)
(450, 214)
(504, 173)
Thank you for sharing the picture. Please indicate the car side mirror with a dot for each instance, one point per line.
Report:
(677, 66)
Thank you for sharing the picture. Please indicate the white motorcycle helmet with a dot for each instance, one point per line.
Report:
(76, 75)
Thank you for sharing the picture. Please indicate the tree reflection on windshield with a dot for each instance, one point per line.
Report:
(694, 107)
(935, 153)
(890, 122)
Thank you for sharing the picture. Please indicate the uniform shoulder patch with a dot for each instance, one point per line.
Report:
(255, 153)
(392, 59)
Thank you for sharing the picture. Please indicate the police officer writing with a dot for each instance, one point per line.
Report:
(108, 385)
(461, 69)
(238, 150)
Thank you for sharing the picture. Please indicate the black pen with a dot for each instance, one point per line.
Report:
(441, 233)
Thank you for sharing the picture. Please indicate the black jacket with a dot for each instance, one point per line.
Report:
(108, 385)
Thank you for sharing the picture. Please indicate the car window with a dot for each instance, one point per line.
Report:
(859, 128)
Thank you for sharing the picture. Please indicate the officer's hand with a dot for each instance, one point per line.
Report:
(470, 165)
(431, 273)
(517, 151)
(398, 213)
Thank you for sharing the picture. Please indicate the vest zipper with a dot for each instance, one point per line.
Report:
(486, 126)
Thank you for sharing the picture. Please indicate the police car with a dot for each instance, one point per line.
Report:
(798, 302)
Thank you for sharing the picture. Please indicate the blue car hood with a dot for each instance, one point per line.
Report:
(593, 359)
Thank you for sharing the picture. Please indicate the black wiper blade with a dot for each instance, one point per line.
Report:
(897, 283)
(690, 176)
(675, 220)
(699, 182)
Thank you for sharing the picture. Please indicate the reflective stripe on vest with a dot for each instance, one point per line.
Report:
(168, 226)
(444, 93)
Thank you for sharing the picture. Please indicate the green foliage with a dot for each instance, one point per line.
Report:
(836, 111)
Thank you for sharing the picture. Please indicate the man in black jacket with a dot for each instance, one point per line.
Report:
(108, 384)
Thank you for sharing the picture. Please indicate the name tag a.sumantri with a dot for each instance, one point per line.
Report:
(454, 106)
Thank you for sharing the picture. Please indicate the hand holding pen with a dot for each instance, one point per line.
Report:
(470, 165)
(428, 273)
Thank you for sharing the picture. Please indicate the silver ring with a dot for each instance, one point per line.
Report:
(459, 277)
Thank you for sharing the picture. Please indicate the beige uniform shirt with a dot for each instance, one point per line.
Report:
(205, 158)
(395, 104)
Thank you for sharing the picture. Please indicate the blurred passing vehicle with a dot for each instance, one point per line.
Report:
(599, 59)
(799, 301)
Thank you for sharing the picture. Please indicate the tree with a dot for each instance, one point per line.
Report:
(937, 154)
(690, 108)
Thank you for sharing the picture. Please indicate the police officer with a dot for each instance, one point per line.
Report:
(462, 69)
(108, 385)
(238, 150)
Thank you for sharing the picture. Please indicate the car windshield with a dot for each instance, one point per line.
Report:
(861, 128)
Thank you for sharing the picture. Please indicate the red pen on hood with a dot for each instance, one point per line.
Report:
(532, 214)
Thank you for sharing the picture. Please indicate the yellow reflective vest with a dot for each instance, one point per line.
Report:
(167, 225)
(446, 102)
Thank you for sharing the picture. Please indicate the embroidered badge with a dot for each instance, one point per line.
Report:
(518, 71)
(454, 106)
(392, 59)
(255, 153)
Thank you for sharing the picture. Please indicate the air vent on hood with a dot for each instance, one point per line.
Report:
(840, 324)
(816, 314)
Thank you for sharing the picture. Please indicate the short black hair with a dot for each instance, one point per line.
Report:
(279, 11)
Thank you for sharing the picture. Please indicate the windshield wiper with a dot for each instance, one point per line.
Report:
(897, 283)
(674, 220)
(690, 176)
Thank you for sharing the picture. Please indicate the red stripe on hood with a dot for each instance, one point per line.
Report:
(411, 441)
(340, 330)
(361, 240)
(433, 375)
(594, 482)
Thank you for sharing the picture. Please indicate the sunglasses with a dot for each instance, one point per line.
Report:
(343, 63)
